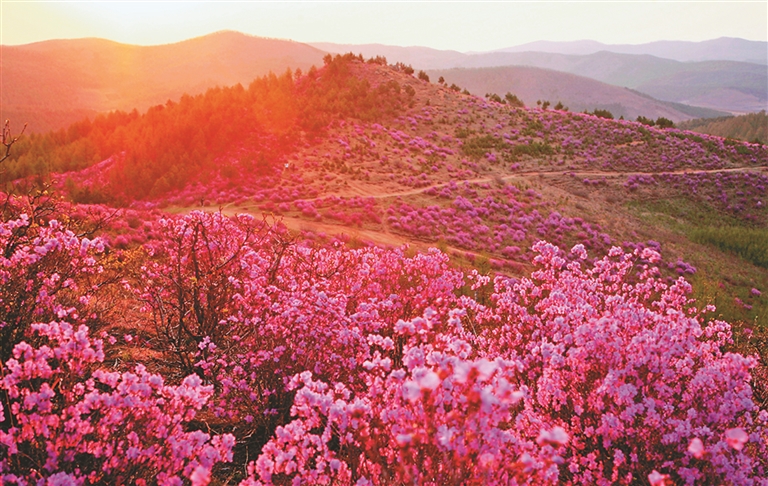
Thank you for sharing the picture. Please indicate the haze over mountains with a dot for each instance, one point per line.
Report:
(723, 48)
(578, 93)
(54, 83)
(722, 74)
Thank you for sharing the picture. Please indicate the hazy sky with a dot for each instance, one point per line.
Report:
(462, 26)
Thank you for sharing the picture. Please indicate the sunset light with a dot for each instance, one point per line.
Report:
(461, 26)
(384, 243)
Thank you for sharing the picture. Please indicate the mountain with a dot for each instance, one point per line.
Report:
(729, 86)
(722, 49)
(576, 92)
(54, 83)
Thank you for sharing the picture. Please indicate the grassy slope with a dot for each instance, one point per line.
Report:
(751, 127)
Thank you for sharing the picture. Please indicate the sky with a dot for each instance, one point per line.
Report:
(461, 26)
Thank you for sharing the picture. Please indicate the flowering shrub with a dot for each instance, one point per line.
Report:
(247, 309)
(321, 364)
(607, 374)
(45, 270)
(63, 418)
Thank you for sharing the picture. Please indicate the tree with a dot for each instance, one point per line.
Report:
(423, 76)
(403, 68)
(645, 121)
(495, 97)
(441, 80)
(513, 100)
(8, 139)
(603, 114)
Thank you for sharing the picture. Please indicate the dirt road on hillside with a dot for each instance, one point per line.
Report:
(391, 239)
(362, 192)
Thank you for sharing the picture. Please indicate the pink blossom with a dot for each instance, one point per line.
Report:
(736, 438)
(696, 448)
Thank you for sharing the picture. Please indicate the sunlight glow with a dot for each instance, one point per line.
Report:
(463, 26)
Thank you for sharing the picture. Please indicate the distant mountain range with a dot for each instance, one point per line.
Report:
(578, 93)
(721, 49)
(54, 83)
(724, 74)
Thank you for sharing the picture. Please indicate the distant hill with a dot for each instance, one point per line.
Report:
(724, 48)
(723, 85)
(418, 57)
(576, 92)
(730, 86)
(54, 83)
(750, 127)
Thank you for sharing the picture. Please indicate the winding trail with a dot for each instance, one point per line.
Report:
(522, 175)
(385, 237)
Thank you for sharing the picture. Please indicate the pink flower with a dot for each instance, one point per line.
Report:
(736, 438)
(556, 437)
(200, 476)
(658, 479)
(696, 447)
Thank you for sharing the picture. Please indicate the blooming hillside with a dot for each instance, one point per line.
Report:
(355, 276)
(327, 364)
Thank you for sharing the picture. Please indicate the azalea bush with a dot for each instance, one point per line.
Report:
(65, 418)
(591, 376)
(315, 363)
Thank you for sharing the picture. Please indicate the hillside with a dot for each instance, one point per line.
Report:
(721, 85)
(51, 84)
(752, 127)
(355, 276)
(386, 175)
(576, 92)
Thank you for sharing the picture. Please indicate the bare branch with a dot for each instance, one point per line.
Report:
(8, 139)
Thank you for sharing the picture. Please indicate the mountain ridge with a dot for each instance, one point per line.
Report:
(579, 93)
(62, 79)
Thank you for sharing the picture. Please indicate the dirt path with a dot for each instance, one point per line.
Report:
(387, 238)
(358, 191)
(522, 175)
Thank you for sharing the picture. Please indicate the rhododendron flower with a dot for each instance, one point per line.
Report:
(736, 438)
(201, 476)
(557, 436)
(658, 479)
(696, 447)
